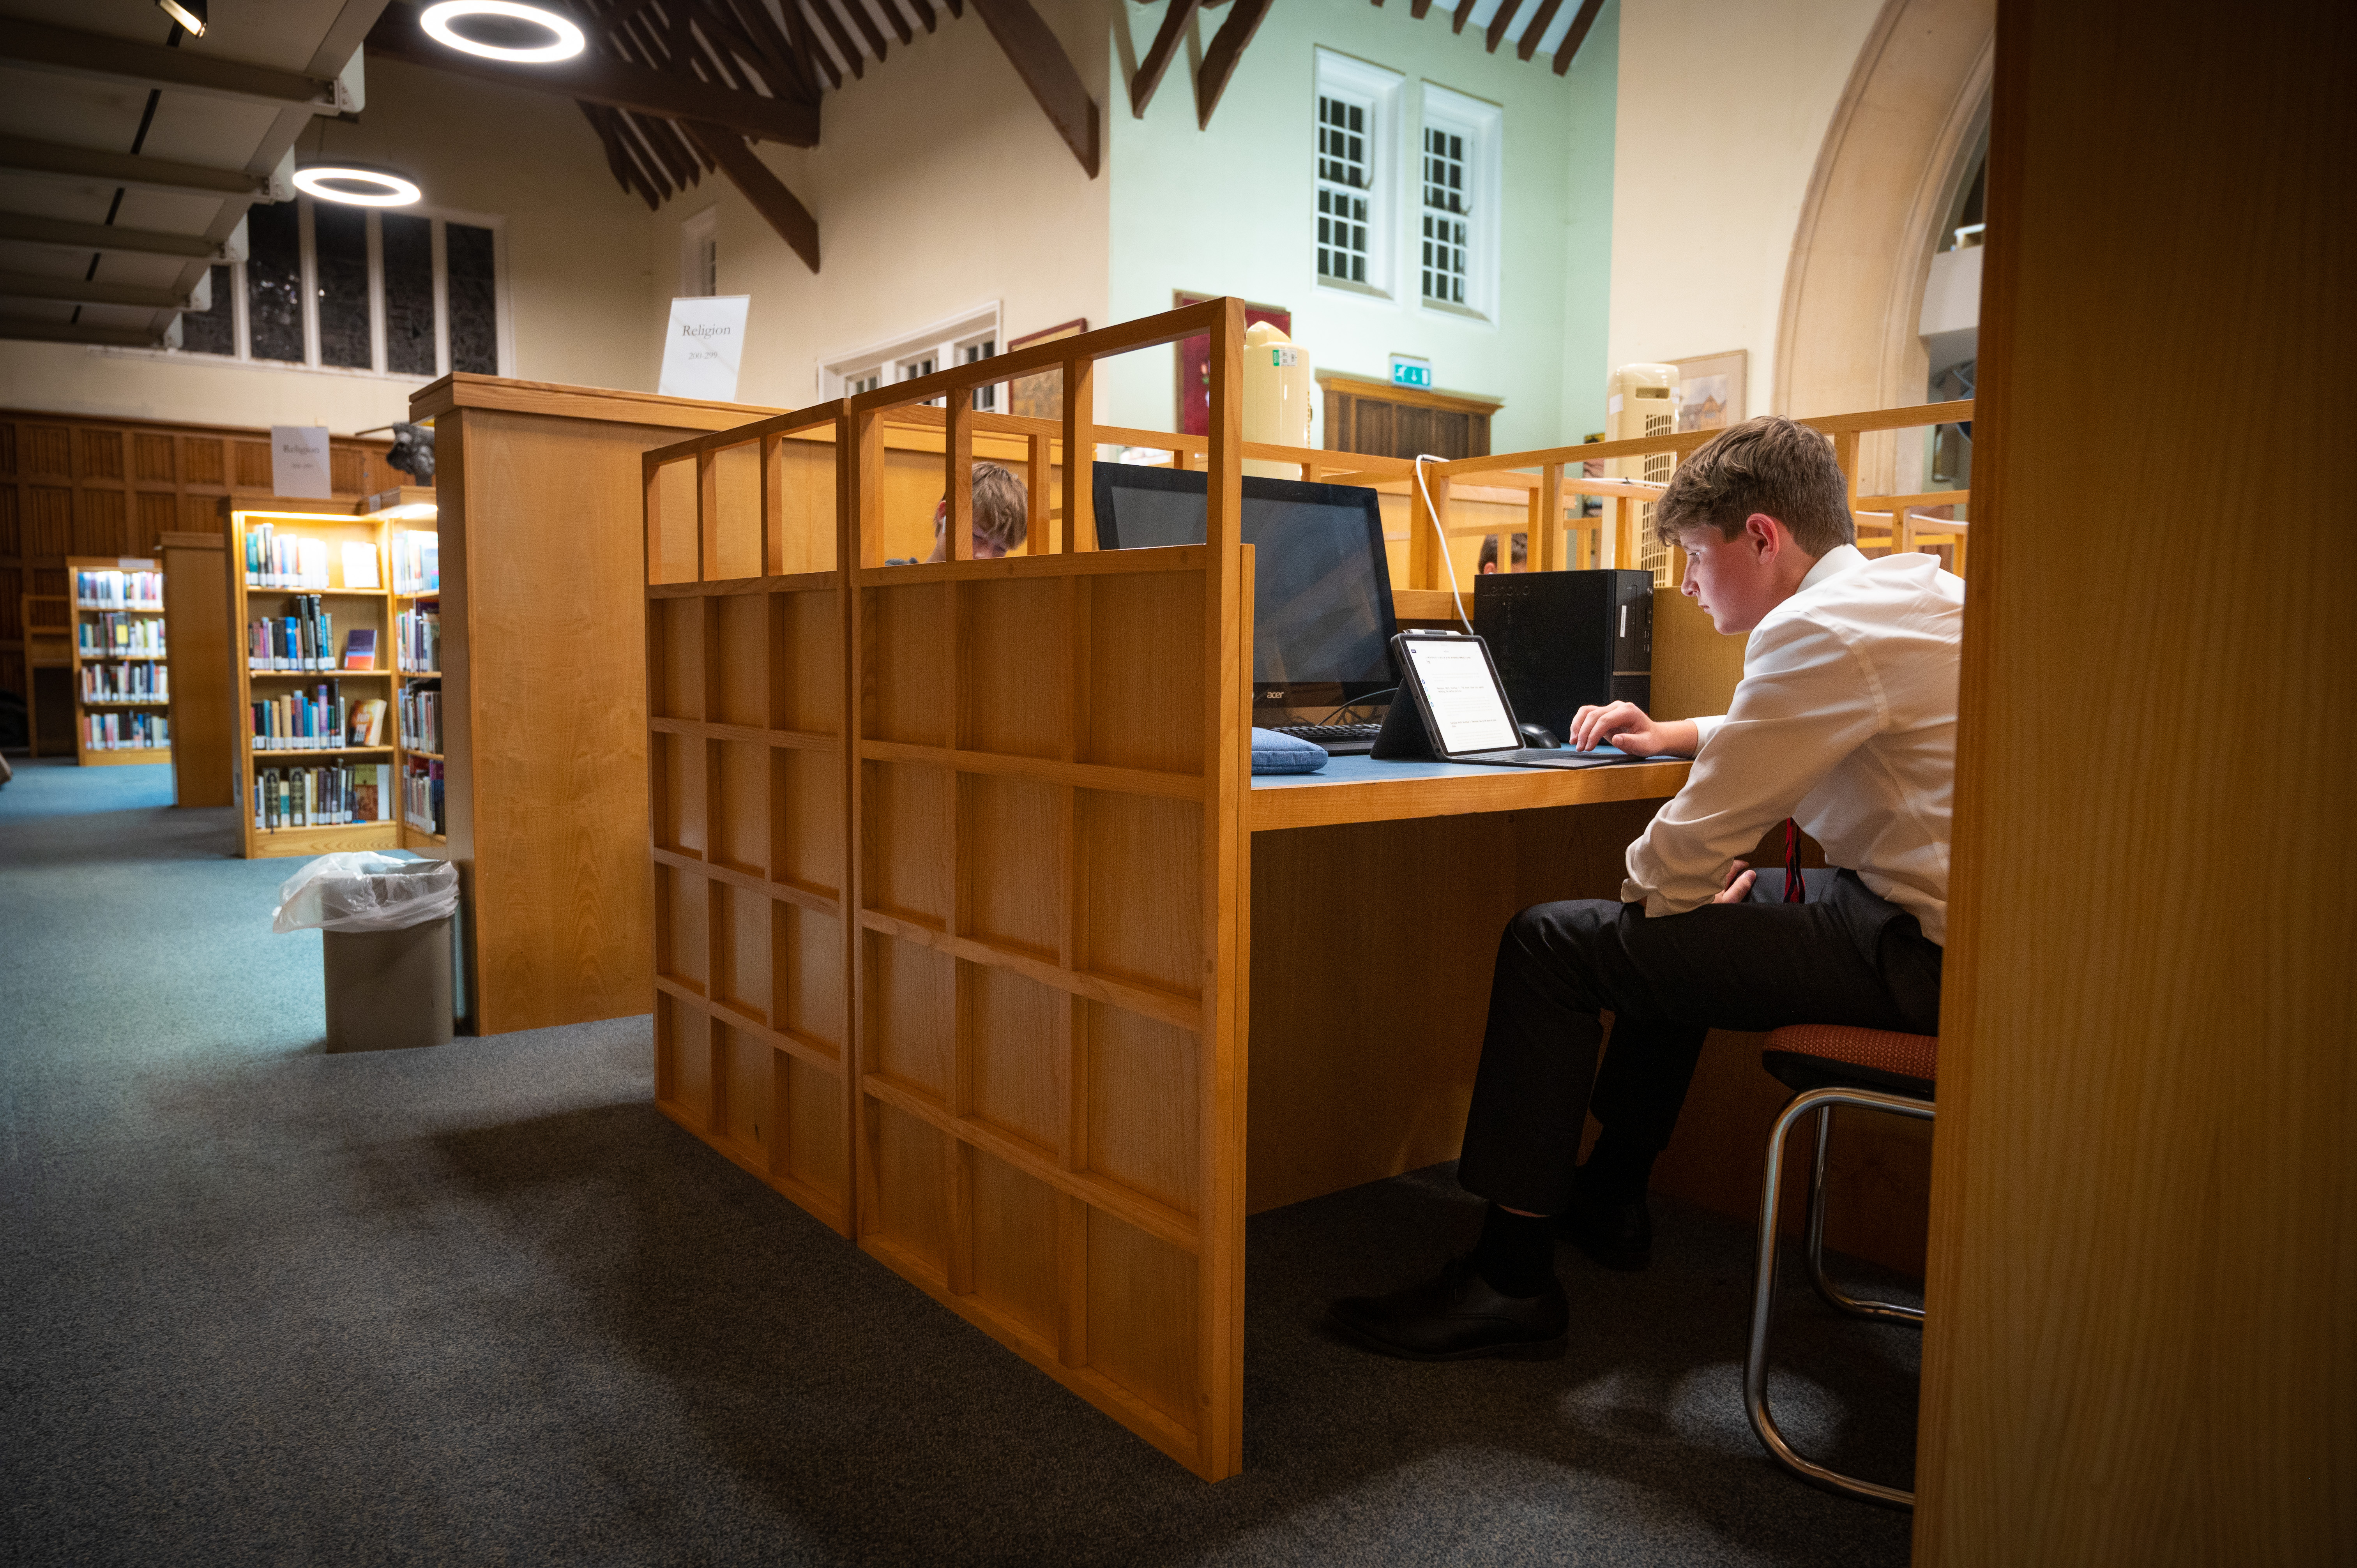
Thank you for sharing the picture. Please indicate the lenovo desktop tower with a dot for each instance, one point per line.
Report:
(1562, 640)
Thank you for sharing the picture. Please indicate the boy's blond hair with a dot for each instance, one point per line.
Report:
(1000, 506)
(1769, 465)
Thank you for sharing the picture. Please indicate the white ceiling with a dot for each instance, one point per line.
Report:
(67, 108)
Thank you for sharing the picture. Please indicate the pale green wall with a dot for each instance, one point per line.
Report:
(1594, 80)
(1230, 210)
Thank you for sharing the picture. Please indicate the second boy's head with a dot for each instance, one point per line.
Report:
(1754, 510)
(999, 515)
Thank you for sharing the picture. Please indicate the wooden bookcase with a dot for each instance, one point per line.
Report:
(101, 664)
(407, 513)
(354, 608)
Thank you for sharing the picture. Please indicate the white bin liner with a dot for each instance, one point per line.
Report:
(362, 890)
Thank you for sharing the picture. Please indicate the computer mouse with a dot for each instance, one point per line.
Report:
(1537, 736)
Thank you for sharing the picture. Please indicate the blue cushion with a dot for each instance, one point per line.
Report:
(1275, 753)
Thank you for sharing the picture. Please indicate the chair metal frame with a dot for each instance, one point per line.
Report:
(1820, 1101)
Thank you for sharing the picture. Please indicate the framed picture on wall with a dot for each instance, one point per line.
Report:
(1195, 361)
(1041, 396)
(1710, 389)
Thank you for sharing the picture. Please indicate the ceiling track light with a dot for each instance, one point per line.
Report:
(357, 185)
(507, 17)
(190, 14)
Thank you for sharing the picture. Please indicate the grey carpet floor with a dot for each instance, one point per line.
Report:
(482, 1305)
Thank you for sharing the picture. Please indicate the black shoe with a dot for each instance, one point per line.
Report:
(1454, 1317)
(1617, 1235)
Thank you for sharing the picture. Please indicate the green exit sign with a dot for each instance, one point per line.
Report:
(1407, 370)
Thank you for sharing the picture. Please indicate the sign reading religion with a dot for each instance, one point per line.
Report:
(299, 461)
(703, 347)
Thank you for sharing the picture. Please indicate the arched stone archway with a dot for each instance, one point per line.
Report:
(1908, 119)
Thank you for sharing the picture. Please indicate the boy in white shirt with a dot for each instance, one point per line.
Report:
(1844, 721)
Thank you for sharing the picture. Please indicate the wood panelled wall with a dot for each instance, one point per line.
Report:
(2142, 1313)
(75, 485)
(1401, 422)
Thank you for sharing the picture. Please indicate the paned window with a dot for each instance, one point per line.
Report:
(1459, 143)
(1343, 183)
(328, 287)
(964, 339)
(1355, 168)
(1445, 208)
(985, 398)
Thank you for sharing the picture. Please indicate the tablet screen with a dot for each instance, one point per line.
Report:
(1461, 695)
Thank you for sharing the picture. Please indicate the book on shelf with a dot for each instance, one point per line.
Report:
(113, 634)
(125, 731)
(421, 796)
(142, 681)
(300, 641)
(115, 590)
(275, 560)
(331, 794)
(313, 720)
(368, 723)
(421, 717)
(416, 561)
(418, 639)
(359, 566)
(360, 649)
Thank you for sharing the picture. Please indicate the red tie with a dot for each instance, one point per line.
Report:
(1795, 891)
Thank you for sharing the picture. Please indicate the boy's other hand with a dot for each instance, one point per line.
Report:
(1626, 726)
(1740, 877)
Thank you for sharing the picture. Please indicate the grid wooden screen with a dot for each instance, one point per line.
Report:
(1050, 968)
(1035, 840)
(745, 695)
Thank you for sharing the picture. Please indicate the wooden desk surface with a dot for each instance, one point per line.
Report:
(1361, 790)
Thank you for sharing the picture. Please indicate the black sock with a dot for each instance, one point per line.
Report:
(1618, 1170)
(1516, 1252)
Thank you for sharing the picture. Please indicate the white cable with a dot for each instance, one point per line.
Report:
(1433, 512)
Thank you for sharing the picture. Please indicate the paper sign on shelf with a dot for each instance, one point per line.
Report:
(703, 347)
(299, 461)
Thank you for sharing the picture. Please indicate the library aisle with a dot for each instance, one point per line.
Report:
(483, 1303)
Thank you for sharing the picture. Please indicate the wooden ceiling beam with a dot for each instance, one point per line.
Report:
(925, 14)
(833, 24)
(866, 24)
(807, 48)
(593, 78)
(1244, 17)
(1418, 10)
(1165, 48)
(776, 42)
(768, 193)
(1498, 24)
(1529, 44)
(620, 159)
(900, 23)
(1589, 11)
(1040, 60)
(1458, 17)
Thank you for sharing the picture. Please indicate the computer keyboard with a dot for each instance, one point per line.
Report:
(1340, 739)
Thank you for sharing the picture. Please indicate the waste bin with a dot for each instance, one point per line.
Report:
(384, 932)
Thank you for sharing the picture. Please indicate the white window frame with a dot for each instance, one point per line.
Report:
(699, 255)
(1378, 92)
(954, 340)
(241, 326)
(1483, 125)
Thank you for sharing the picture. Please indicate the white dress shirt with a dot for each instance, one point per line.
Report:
(1845, 720)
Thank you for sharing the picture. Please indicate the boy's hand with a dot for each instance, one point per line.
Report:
(1740, 877)
(1626, 726)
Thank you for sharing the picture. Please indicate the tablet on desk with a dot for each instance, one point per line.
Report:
(1452, 695)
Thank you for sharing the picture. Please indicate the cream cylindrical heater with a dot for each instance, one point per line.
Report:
(1280, 396)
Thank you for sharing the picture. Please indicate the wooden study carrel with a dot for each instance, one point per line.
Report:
(961, 880)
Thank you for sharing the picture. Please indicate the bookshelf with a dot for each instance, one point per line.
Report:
(310, 573)
(122, 693)
(414, 582)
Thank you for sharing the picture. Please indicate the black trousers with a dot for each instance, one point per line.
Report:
(1844, 957)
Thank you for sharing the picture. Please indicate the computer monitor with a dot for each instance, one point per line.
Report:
(1322, 619)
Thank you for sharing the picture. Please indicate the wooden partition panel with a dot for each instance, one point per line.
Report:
(1053, 912)
(200, 651)
(747, 819)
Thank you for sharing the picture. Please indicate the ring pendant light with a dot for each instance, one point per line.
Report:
(357, 185)
(566, 39)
